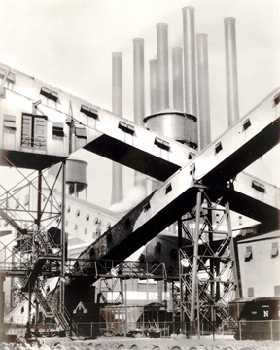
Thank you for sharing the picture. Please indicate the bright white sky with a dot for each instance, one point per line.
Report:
(68, 44)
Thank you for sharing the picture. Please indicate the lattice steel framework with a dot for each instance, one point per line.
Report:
(208, 276)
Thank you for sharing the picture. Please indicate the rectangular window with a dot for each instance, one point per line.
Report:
(126, 127)
(85, 231)
(81, 132)
(250, 292)
(218, 147)
(9, 135)
(277, 291)
(162, 144)
(274, 250)
(248, 254)
(258, 186)
(10, 123)
(50, 94)
(34, 131)
(57, 131)
(90, 112)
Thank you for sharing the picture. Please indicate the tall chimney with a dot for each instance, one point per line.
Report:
(231, 64)
(138, 95)
(138, 81)
(117, 190)
(162, 66)
(153, 86)
(203, 90)
(190, 81)
(178, 81)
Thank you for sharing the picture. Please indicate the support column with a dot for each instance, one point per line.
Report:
(195, 260)
(62, 234)
(232, 253)
(2, 304)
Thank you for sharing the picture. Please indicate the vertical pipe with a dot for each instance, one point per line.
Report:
(231, 64)
(190, 80)
(162, 66)
(117, 190)
(178, 81)
(203, 90)
(195, 256)
(138, 95)
(153, 87)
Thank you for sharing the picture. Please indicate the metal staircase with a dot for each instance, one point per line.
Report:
(55, 309)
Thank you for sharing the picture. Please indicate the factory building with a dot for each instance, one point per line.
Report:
(258, 257)
(75, 254)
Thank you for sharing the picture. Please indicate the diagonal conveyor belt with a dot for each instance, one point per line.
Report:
(220, 162)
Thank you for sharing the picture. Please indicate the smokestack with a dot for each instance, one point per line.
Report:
(162, 66)
(138, 95)
(231, 64)
(117, 190)
(178, 82)
(153, 86)
(190, 81)
(138, 81)
(203, 90)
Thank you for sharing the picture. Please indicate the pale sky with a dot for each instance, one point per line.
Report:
(68, 44)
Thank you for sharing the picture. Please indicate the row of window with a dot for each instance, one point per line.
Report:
(95, 233)
(249, 252)
(34, 127)
(96, 220)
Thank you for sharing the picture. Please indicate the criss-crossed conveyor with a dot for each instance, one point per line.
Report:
(242, 144)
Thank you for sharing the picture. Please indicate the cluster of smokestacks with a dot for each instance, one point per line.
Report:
(190, 85)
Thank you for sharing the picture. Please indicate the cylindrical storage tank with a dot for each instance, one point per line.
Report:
(162, 66)
(190, 79)
(178, 81)
(231, 64)
(117, 190)
(76, 175)
(203, 90)
(153, 86)
(169, 123)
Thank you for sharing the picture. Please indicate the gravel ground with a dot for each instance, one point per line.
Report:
(115, 343)
(176, 343)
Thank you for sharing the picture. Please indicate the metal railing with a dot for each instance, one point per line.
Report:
(239, 330)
